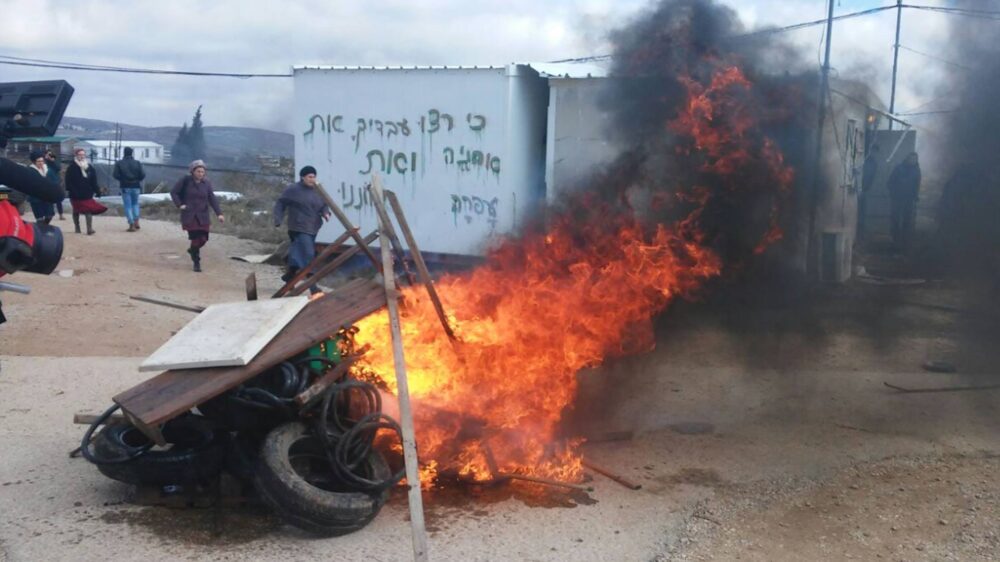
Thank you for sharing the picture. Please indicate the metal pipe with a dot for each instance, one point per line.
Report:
(15, 287)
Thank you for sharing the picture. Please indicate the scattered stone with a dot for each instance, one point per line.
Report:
(66, 273)
(942, 521)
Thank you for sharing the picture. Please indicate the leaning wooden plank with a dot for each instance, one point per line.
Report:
(333, 265)
(165, 302)
(378, 201)
(225, 335)
(316, 262)
(349, 226)
(418, 259)
(410, 460)
(171, 393)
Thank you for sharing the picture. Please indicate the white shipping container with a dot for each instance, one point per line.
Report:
(463, 148)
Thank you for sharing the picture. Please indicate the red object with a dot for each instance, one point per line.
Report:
(26, 246)
(84, 206)
(16, 239)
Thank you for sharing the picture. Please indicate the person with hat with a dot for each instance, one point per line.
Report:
(81, 184)
(129, 173)
(307, 210)
(193, 195)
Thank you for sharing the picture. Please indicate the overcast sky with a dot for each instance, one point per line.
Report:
(254, 36)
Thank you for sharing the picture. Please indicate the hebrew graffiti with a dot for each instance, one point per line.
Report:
(479, 119)
(471, 159)
(401, 162)
(474, 208)
(354, 197)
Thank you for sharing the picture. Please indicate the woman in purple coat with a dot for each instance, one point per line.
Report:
(193, 195)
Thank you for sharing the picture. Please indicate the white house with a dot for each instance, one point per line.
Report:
(111, 150)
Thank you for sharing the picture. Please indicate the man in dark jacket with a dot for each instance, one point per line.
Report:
(129, 173)
(306, 212)
(868, 172)
(904, 187)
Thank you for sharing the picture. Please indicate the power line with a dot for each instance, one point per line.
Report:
(39, 63)
(968, 12)
(937, 58)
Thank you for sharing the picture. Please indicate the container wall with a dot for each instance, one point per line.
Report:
(450, 142)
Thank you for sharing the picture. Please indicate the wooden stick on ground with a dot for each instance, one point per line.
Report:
(418, 259)
(251, 286)
(165, 302)
(378, 201)
(616, 477)
(405, 411)
(316, 262)
(348, 226)
(547, 481)
(941, 388)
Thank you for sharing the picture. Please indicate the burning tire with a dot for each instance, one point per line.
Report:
(195, 453)
(260, 404)
(295, 478)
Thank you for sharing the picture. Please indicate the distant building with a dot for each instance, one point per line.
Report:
(111, 150)
(19, 148)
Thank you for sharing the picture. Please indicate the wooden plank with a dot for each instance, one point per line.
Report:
(378, 201)
(337, 212)
(169, 303)
(225, 335)
(171, 393)
(251, 286)
(333, 265)
(322, 257)
(418, 259)
(410, 460)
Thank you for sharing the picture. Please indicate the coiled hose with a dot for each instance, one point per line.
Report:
(88, 436)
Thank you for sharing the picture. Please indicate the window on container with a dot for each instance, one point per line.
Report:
(145, 153)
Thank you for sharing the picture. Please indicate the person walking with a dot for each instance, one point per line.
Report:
(43, 210)
(306, 212)
(193, 195)
(129, 173)
(53, 174)
(81, 184)
(904, 189)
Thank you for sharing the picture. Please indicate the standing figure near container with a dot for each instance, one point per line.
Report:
(81, 184)
(904, 189)
(53, 175)
(129, 173)
(43, 210)
(193, 195)
(306, 212)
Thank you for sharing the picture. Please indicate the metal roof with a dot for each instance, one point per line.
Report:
(43, 139)
(544, 69)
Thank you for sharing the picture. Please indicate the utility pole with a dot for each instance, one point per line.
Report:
(895, 62)
(812, 251)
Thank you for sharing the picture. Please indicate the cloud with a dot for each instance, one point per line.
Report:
(270, 37)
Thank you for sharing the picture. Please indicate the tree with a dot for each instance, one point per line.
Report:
(190, 143)
(196, 137)
(180, 153)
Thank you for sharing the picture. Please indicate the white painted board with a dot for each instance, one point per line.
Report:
(225, 335)
(463, 148)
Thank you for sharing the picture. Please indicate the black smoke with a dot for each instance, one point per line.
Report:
(666, 48)
(967, 241)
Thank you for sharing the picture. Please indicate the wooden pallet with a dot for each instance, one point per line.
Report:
(171, 393)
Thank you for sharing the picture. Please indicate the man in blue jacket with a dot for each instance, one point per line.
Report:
(306, 212)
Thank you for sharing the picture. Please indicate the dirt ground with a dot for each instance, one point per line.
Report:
(757, 433)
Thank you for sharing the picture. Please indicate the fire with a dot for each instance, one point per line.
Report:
(548, 304)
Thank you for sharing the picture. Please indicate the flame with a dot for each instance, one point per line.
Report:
(548, 304)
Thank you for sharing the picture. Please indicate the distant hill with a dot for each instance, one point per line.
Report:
(225, 145)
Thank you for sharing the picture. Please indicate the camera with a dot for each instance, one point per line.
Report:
(28, 109)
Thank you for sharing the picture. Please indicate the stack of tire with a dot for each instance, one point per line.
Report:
(257, 435)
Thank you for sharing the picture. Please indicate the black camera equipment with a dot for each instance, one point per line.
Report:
(28, 109)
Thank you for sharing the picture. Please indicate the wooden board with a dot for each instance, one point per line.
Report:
(171, 393)
(225, 335)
